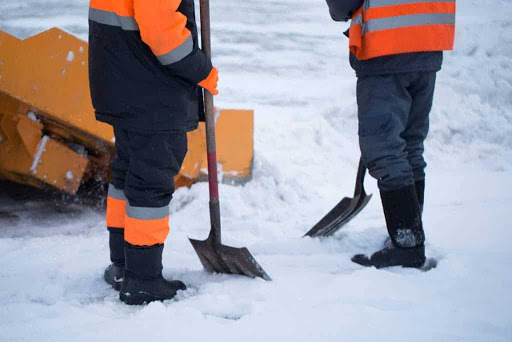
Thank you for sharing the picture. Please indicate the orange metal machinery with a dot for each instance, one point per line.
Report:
(48, 133)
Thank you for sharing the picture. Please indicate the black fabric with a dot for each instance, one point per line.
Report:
(420, 192)
(131, 88)
(145, 164)
(401, 63)
(116, 244)
(403, 217)
(143, 262)
(342, 10)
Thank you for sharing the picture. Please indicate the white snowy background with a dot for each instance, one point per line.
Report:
(288, 61)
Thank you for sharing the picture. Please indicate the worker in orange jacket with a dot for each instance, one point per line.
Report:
(396, 50)
(147, 75)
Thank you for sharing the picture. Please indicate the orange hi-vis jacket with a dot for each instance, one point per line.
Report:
(145, 64)
(390, 27)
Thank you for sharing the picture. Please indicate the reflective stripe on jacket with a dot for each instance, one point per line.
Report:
(389, 27)
(162, 27)
(145, 64)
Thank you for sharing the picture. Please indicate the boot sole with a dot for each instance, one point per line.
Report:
(140, 298)
(415, 264)
(362, 260)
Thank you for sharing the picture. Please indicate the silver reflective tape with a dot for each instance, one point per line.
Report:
(116, 193)
(366, 5)
(178, 53)
(112, 19)
(143, 213)
(382, 3)
(408, 21)
(357, 20)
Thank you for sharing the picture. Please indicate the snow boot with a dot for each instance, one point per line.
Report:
(114, 272)
(143, 280)
(420, 193)
(403, 220)
(393, 256)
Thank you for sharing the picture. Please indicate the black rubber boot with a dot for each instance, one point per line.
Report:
(403, 220)
(420, 193)
(143, 280)
(393, 256)
(114, 272)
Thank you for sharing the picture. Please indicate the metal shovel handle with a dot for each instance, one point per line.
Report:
(211, 148)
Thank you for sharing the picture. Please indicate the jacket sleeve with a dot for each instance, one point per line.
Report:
(342, 10)
(163, 28)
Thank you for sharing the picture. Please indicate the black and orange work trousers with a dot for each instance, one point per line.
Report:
(142, 185)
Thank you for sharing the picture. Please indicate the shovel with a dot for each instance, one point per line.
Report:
(215, 256)
(345, 210)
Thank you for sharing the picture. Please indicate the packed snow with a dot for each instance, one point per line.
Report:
(288, 61)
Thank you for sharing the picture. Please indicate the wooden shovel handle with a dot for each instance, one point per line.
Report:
(209, 108)
(215, 232)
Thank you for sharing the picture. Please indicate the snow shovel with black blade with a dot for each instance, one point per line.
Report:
(215, 256)
(345, 210)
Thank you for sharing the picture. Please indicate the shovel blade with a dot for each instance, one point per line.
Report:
(225, 259)
(328, 220)
(345, 210)
(349, 215)
(340, 215)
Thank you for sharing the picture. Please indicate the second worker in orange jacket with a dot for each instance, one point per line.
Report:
(396, 48)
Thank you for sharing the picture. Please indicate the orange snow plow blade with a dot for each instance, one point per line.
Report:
(48, 133)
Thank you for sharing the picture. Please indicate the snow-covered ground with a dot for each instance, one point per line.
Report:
(288, 61)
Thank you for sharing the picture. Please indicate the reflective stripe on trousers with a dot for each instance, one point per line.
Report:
(116, 208)
(146, 226)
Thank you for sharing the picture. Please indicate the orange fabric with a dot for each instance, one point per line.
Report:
(122, 8)
(146, 232)
(161, 26)
(116, 212)
(403, 40)
(210, 82)
(356, 34)
(408, 9)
